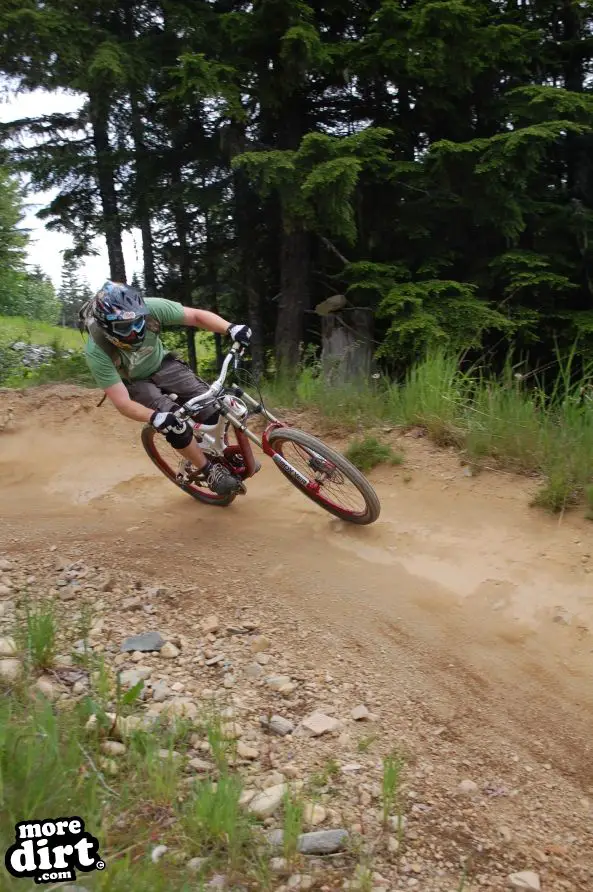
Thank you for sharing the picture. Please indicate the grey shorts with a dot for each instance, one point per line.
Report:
(174, 376)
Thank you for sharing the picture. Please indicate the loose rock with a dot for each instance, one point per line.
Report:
(319, 842)
(211, 624)
(468, 788)
(246, 752)
(360, 713)
(10, 670)
(526, 880)
(113, 748)
(279, 682)
(46, 686)
(7, 647)
(160, 692)
(265, 804)
(314, 814)
(196, 864)
(131, 677)
(318, 723)
(279, 725)
(259, 644)
(144, 643)
(169, 651)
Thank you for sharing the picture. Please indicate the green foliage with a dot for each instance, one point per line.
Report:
(37, 633)
(431, 161)
(367, 453)
(424, 314)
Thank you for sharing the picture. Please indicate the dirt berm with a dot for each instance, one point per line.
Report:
(469, 611)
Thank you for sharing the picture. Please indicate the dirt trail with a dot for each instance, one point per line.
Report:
(475, 609)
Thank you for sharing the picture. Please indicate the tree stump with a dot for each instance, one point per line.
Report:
(347, 345)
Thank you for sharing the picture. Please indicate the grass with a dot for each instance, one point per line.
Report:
(367, 453)
(294, 810)
(36, 634)
(392, 771)
(522, 423)
(322, 778)
(52, 764)
(72, 368)
(19, 328)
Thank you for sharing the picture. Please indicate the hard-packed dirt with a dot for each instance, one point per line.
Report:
(463, 615)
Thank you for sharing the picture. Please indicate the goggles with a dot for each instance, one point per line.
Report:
(125, 327)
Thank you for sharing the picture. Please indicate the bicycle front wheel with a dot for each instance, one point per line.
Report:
(324, 476)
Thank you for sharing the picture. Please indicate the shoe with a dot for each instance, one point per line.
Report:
(221, 481)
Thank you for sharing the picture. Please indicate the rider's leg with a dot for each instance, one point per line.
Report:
(174, 377)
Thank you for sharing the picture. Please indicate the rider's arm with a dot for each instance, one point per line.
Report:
(120, 398)
(205, 319)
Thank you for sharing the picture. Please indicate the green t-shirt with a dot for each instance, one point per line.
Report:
(140, 363)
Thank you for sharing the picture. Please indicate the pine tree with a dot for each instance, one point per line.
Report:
(73, 291)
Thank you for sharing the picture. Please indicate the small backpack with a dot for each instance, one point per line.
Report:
(86, 322)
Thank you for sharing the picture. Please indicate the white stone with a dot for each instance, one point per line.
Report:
(8, 647)
(269, 801)
(168, 651)
(211, 624)
(468, 788)
(10, 670)
(526, 880)
(318, 723)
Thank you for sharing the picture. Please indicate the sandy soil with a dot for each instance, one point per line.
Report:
(473, 610)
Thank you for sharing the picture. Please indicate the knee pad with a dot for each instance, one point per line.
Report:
(180, 441)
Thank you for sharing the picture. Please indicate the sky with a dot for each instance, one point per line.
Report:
(45, 249)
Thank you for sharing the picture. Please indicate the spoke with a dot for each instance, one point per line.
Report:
(341, 492)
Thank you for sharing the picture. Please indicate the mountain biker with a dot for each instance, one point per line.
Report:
(129, 361)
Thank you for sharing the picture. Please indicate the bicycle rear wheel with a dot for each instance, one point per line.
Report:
(179, 471)
(325, 476)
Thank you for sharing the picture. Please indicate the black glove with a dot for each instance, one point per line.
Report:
(167, 423)
(177, 431)
(240, 333)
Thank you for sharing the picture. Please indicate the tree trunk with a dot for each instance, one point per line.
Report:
(347, 346)
(182, 232)
(577, 159)
(142, 179)
(294, 295)
(295, 252)
(105, 167)
(141, 169)
(245, 201)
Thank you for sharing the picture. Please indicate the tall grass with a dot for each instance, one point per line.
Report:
(521, 422)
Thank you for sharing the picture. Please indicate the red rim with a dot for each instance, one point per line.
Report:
(190, 488)
(313, 489)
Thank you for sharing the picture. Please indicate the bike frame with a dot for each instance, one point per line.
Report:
(235, 407)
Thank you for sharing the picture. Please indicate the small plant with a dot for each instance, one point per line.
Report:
(321, 778)
(37, 634)
(216, 823)
(363, 879)
(222, 748)
(367, 453)
(365, 743)
(293, 824)
(392, 771)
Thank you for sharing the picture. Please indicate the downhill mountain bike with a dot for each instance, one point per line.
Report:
(319, 472)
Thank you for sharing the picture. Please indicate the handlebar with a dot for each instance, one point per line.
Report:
(216, 388)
